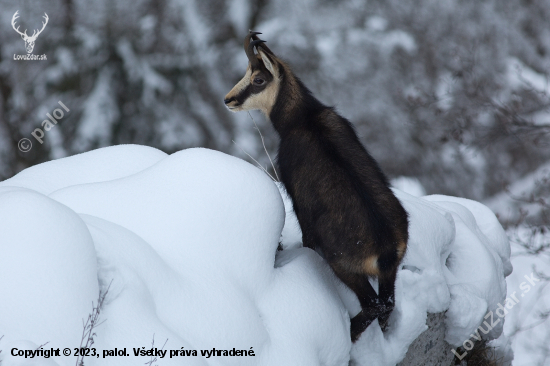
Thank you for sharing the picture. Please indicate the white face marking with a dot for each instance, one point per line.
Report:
(265, 100)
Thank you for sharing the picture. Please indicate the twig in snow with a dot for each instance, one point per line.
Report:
(256, 161)
(88, 333)
(150, 362)
(263, 144)
(42, 345)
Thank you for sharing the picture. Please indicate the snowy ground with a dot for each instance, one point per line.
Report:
(189, 242)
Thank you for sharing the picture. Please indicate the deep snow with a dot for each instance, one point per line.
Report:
(189, 242)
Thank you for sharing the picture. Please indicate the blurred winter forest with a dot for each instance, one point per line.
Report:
(452, 93)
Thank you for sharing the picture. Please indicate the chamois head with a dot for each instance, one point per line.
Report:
(259, 87)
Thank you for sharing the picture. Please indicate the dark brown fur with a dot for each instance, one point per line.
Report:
(342, 199)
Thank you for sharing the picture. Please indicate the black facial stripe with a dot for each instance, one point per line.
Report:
(244, 94)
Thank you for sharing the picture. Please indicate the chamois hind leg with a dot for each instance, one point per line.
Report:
(360, 285)
(386, 293)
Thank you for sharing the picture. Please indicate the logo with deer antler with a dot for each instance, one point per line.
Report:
(29, 41)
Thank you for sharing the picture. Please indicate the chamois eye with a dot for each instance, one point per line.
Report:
(259, 81)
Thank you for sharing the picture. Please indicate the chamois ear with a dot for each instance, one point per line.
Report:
(269, 64)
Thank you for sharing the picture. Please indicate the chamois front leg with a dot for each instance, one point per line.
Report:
(370, 305)
(388, 266)
(386, 293)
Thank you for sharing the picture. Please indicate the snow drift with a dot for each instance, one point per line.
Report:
(189, 243)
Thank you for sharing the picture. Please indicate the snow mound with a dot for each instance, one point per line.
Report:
(188, 245)
(94, 166)
(48, 270)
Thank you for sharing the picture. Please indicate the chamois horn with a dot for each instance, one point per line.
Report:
(249, 48)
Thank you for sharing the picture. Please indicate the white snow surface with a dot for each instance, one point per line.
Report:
(188, 243)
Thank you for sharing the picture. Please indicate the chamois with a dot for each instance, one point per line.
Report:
(342, 199)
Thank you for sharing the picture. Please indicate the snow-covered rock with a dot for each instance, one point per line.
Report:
(188, 243)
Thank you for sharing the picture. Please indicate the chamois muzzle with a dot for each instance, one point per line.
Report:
(229, 100)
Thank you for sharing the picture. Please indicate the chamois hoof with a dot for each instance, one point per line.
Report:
(359, 323)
